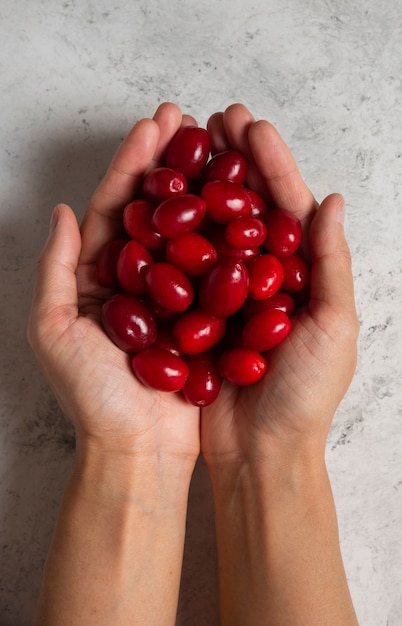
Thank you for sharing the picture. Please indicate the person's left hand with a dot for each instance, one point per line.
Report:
(90, 376)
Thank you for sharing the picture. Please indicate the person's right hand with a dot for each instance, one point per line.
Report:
(309, 373)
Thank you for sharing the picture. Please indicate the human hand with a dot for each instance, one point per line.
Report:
(291, 408)
(91, 377)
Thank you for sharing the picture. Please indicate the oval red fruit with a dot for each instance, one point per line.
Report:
(265, 276)
(137, 221)
(132, 266)
(196, 331)
(284, 232)
(296, 273)
(128, 323)
(162, 183)
(229, 165)
(225, 200)
(192, 253)
(280, 300)
(266, 330)
(204, 382)
(188, 151)
(178, 215)
(169, 286)
(242, 367)
(160, 369)
(245, 232)
(223, 290)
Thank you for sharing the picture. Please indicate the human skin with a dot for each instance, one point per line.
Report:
(264, 445)
(117, 549)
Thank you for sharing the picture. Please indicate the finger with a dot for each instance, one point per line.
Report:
(237, 121)
(102, 221)
(169, 117)
(331, 266)
(189, 120)
(217, 133)
(55, 291)
(280, 173)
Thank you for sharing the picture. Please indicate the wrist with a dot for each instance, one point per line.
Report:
(113, 475)
(286, 471)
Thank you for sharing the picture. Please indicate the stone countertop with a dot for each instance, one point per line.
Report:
(74, 77)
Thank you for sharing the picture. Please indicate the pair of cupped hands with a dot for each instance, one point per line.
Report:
(289, 411)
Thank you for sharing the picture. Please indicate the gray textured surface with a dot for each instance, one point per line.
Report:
(74, 77)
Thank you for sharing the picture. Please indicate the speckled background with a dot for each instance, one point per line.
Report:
(74, 77)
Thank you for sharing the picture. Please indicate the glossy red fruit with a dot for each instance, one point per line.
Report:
(284, 232)
(242, 367)
(106, 264)
(188, 151)
(196, 331)
(192, 253)
(258, 205)
(223, 290)
(215, 233)
(266, 330)
(204, 382)
(265, 276)
(178, 215)
(160, 369)
(225, 200)
(245, 232)
(132, 266)
(137, 221)
(162, 183)
(296, 273)
(169, 286)
(280, 300)
(128, 323)
(229, 165)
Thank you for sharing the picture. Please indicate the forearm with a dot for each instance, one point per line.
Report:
(116, 553)
(278, 547)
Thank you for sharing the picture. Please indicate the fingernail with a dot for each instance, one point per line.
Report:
(54, 219)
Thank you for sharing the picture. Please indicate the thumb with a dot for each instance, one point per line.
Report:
(331, 271)
(55, 291)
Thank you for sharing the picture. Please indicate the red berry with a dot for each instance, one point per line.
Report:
(225, 200)
(196, 331)
(223, 290)
(265, 276)
(229, 165)
(204, 382)
(177, 215)
(280, 300)
(266, 330)
(160, 369)
(241, 366)
(128, 323)
(162, 183)
(137, 220)
(284, 232)
(132, 266)
(188, 151)
(192, 253)
(296, 273)
(169, 287)
(245, 232)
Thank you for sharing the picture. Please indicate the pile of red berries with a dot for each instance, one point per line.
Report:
(205, 275)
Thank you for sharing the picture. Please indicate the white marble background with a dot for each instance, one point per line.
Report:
(74, 77)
